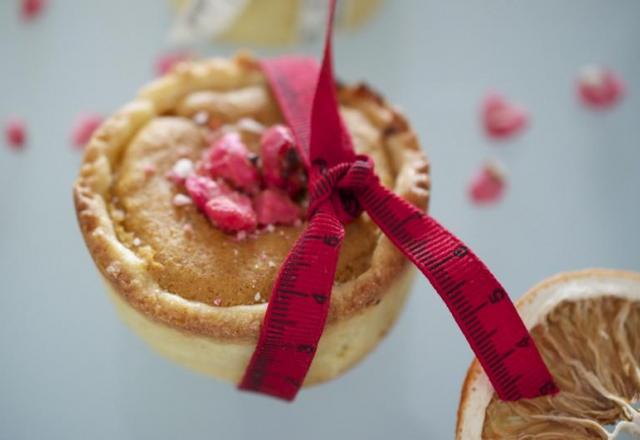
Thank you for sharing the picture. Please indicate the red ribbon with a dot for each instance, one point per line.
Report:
(343, 184)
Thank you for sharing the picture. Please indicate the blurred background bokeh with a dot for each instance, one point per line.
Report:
(70, 370)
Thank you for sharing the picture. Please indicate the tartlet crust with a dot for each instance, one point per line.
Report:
(125, 271)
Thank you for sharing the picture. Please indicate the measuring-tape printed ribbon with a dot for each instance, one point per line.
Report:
(341, 186)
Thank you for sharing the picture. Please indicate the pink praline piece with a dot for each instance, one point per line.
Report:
(31, 9)
(599, 87)
(501, 118)
(83, 128)
(231, 212)
(488, 185)
(15, 131)
(274, 206)
(229, 158)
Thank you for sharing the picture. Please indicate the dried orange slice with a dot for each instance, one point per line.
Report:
(587, 327)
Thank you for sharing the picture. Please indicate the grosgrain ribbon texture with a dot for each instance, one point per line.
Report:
(341, 185)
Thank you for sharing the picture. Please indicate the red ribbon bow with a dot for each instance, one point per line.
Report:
(342, 184)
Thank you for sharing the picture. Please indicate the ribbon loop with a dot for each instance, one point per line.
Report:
(339, 186)
(359, 176)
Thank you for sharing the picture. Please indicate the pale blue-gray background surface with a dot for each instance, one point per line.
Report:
(70, 370)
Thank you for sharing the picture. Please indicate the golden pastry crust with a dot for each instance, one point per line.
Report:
(342, 345)
(127, 272)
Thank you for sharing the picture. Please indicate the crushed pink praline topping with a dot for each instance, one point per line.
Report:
(600, 87)
(501, 118)
(226, 208)
(230, 159)
(31, 9)
(165, 62)
(488, 185)
(201, 189)
(274, 206)
(281, 165)
(15, 132)
(83, 128)
(230, 186)
(274, 144)
(231, 212)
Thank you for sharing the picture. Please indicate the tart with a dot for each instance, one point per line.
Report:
(194, 281)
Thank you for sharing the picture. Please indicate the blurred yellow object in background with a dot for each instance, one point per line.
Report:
(262, 22)
(357, 12)
(266, 23)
